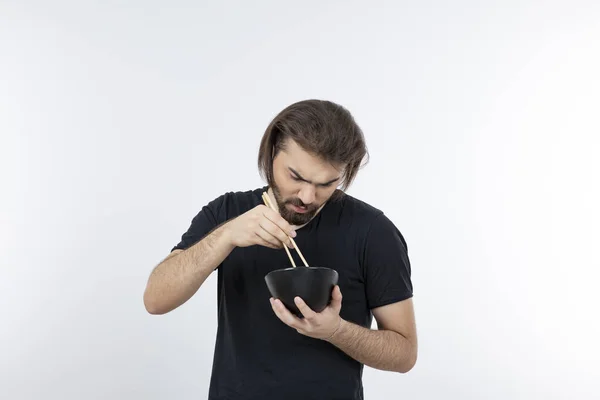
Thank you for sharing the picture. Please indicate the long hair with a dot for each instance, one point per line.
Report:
(320, 127)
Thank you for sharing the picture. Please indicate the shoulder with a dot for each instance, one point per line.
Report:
(234, 203)
(369, 222)
(353, 210)
(216, 212)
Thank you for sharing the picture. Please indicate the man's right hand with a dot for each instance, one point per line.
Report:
(260, 225)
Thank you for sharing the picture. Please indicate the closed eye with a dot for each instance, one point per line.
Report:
(296, 177)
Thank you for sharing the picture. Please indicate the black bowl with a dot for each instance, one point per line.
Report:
(313, 284)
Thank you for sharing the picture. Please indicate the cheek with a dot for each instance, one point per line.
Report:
(282, 180)
(286, 185)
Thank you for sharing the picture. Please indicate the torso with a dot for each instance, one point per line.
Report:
(258, 354)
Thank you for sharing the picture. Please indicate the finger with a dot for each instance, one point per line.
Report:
(267, 235)
(265, 243)
(336, 298)
(280, 222)
(275, 231)
(304, 308)
(285, 315)
(278, 311)
(268, 238)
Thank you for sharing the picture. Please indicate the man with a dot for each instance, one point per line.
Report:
(310, 153)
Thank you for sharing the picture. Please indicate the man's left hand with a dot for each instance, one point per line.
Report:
(321, 325)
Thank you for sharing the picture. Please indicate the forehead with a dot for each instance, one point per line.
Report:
(308, 165)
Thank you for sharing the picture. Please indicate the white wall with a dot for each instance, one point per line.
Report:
(482, 124)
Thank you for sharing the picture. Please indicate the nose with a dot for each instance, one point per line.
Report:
(307, 194)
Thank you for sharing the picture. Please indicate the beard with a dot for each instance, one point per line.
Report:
(291, 216)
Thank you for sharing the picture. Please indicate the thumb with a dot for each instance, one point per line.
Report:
(336, 299)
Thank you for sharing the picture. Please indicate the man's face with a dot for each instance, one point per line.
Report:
(303, 183)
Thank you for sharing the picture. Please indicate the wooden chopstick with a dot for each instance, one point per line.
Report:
(269, 204)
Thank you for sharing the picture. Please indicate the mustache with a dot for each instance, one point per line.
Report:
(297, 202)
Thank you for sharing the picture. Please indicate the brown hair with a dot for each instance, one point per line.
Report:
(320, 127)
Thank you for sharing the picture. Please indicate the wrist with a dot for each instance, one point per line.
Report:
(226, 235)
(340, 326)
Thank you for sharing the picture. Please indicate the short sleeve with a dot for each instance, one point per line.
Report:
(387, 267)
(202, 224)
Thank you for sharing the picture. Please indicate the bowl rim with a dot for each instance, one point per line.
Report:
(301, 266)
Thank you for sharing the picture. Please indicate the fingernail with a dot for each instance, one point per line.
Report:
(293, 234)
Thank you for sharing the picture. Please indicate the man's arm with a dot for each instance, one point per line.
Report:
(393, 347)
(175, 280)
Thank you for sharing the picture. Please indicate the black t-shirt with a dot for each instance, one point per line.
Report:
(256, 355)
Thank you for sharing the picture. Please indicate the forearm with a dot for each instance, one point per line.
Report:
(175, 280)
(381, 349)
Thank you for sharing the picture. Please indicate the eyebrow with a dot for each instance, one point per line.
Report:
(306, 180)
